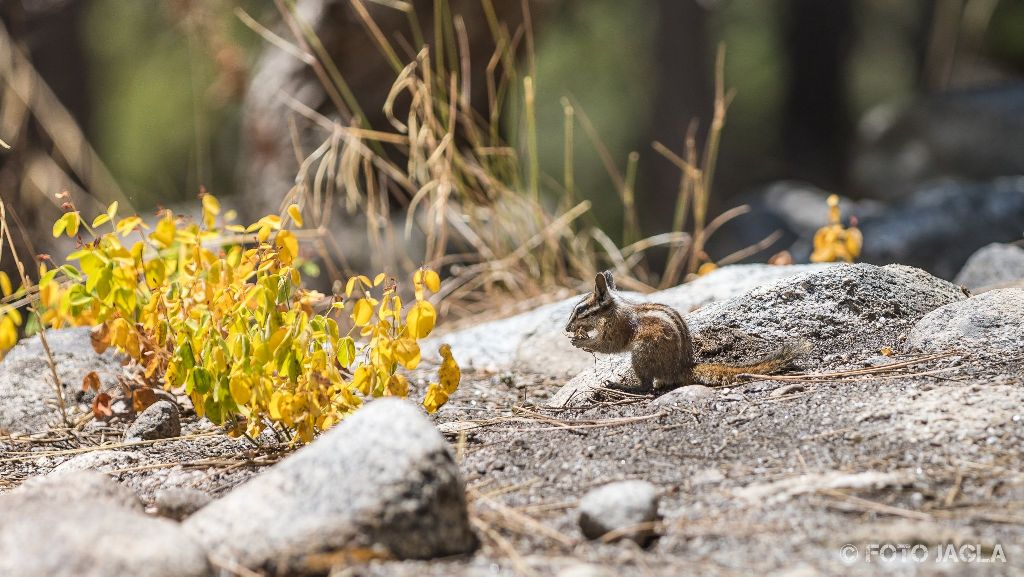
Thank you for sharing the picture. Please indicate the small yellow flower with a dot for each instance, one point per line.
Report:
(834, 242)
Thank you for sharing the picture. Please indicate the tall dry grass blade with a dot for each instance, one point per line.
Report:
(568, 156)
(377, 34)
(533, 158)
(273, 38)
(631, 228)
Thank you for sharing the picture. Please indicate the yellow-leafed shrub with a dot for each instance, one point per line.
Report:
(231, 325)
(834, 242)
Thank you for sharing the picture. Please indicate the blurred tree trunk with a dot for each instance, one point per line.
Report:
(816, 122)
(683, 95)
(49, 34)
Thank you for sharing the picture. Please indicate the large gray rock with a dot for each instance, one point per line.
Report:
(620, 506)
(85, 523)
(942, 224)
(73, 487)
(844, 308)
(991, 266)
(992, 322)
(161, 420)
(383, 478)
(534, 341)
(93, 538)
(107, 460)
(178, 503)
(28, 398)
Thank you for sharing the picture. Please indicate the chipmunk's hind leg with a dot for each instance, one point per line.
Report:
(666, 384)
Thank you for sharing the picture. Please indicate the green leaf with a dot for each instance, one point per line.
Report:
(70, 272)
(346, 351)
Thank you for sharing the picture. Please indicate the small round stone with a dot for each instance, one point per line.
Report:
(620, 506)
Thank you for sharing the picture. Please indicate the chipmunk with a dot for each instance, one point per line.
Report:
(657, 337)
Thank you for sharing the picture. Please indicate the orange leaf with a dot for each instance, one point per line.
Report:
(91, 382)
(142, 398)
(101, 406)
(100, 337)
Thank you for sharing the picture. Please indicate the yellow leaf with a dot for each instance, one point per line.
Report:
(296, 214)
(407, 351)
(833, 242)
(379, 279)
(886, 351)
(287, 242)
(278, 406)
(74, 219)
(421, 319)
(127, 225)
(133, 347)
(271, 220)
(434, 398)
(101, 219)
(263, 234)
(706, 268)
(361, 379)
(398, 386)
(240, 391)
(8, 333)
(5, 284)
(112, 210)
(276, 339)
(449, 372)
(417, 284)
(305, 431)
(67, 223)
(211, 204)
(432, 280)
(15, 316)
(350, 286)
(164, 233)
(119, 333)
(362, 312)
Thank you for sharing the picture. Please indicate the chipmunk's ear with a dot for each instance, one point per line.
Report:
(603, 282)
(609, 280)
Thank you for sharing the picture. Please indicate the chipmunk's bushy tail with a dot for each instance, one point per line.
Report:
(722, 374)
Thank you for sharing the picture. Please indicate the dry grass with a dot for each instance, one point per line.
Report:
(471, 197)
(444, 185)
